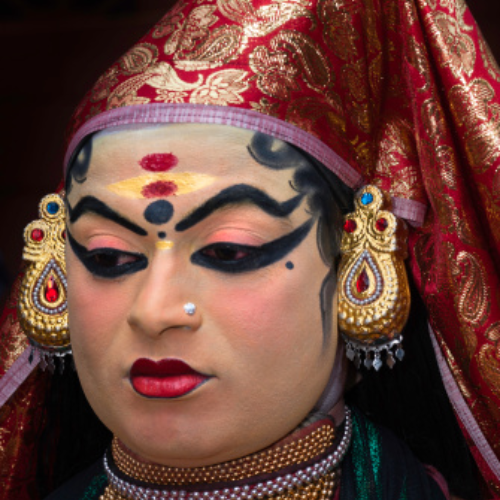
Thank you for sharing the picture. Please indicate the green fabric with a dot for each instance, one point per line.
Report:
(95, 488)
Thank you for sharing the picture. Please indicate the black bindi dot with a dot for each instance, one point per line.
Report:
(162, 234)
(159, 212)
(289, 265)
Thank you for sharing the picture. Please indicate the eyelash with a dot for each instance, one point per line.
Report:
(93, 260)
(104, 262)
(227, 257)
(255, 257)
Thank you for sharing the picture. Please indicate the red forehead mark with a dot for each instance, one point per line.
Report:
(159, 189)
(159, 162)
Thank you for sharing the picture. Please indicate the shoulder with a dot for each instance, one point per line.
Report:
(87, 485)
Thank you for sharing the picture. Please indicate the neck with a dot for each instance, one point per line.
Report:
(306, 462)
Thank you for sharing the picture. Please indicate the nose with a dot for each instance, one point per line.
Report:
(164, 302)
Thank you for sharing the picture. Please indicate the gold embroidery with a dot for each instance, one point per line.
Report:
(489, 359)
(139, 58)
(192, 30)
(489, 60)
(164, 77)
(290, 55)
(418, 59)
(103, 85)
(265, 107)
(222, 88)
(473, 108)
(354, 80)
(456, 49)
(397, 155)
(12, 342)
(276, 73)
(126, 93)
(264, 20)
(222, 45)
(473, 299)
(170, 21)
(338, 28)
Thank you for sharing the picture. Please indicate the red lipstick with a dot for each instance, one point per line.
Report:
(166, 378)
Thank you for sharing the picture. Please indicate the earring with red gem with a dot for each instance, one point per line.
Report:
(374, 296)
(42, 302)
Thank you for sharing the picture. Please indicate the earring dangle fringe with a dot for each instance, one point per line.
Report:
(43, 293)
(374, 296)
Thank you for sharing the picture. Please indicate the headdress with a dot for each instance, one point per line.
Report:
(401, 94)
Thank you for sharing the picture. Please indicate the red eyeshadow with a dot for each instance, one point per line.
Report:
(159, 189)
(159, 162)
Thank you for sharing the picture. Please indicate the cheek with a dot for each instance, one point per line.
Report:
(95, 311)
(270, 318)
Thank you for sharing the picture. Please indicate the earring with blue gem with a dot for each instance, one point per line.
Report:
(42, 304)
(374, 295)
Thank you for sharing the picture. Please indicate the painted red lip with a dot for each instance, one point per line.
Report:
(167, 378)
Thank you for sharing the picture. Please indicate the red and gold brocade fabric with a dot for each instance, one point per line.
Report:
(405, 91)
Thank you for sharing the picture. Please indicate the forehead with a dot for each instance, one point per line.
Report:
(218, 150)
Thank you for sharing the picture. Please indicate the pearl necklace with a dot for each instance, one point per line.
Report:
(302, 469)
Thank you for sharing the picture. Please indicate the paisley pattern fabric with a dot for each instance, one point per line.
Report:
(403, 94)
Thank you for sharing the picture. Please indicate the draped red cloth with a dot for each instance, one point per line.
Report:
(405, 92)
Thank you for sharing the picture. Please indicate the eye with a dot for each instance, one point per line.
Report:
(226, 252)
(108, 262)
(111, 258)
(227, 257)
(112, 263)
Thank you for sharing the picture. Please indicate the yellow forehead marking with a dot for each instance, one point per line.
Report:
(164, 245)
(186, 182)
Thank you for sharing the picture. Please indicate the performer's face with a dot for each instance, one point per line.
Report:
(214, 216)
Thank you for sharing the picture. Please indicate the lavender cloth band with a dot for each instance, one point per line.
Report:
(158, 113)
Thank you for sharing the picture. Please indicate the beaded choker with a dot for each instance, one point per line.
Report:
(302, 466)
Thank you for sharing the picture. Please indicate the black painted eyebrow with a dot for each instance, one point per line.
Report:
(93, 205)
(237, 195)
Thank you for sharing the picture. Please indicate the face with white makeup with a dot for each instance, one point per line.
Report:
(226, 219)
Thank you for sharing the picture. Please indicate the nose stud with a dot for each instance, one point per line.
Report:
(189, 308)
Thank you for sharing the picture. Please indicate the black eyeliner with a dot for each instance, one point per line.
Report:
(259, 257)
(93, 205)
(238, 195)
(86, 258)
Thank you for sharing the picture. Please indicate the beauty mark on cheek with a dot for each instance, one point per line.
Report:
(289, 265)
(159, 162)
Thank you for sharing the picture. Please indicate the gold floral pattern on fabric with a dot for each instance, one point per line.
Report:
(339, 32)
(221, 46)
(397, 157)
(194, 29)
(289, 56)
(261, 21)
(473, 298)
(473, 105)
(489, 358)
(456, 49)
(221, 88)
(139, 58)
(12, 342)
(489, 60)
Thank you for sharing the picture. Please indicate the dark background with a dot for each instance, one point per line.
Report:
(51, 52)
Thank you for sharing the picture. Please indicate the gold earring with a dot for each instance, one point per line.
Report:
(374, 296)
(42, 305)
